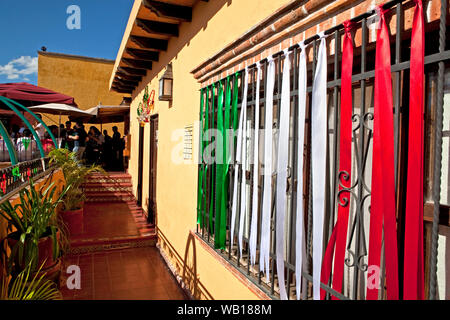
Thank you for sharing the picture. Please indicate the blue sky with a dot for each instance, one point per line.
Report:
(27, 25)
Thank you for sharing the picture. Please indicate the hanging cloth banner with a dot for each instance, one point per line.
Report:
(413, 283)
(282, 168)
(318, 159)
(267, 186)
(383, 173)
(338, 242)
(237, 158)
(299, 228)
(207, 168)
(243, 214)
(255, 187)
(201, 171)
(212, 166)
(221, 160)
(238, 154)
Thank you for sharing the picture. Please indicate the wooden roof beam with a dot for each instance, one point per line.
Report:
(156, 27)
(150, 43)
(121, 75)
(171, 11)
(146, 65)
(126, 82)
(143, 54)
(132, 71)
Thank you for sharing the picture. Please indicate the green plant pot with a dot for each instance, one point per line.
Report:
(45, 249)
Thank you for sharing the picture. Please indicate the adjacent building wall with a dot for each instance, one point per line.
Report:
(86, 79)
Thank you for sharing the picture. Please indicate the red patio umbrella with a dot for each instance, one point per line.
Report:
(28, 94)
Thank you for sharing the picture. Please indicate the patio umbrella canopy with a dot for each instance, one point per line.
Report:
(103, 114)
(59, 109)
(28, 94)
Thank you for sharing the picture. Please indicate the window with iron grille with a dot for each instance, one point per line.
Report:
(355, 272)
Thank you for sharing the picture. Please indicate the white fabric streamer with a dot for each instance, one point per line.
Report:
(243, 214)
(267, 192)
(318, 153)
(299, 228)
(282, 164)
(254, 222)
(236, 168)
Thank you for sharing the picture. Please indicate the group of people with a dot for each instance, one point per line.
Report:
(92, 147)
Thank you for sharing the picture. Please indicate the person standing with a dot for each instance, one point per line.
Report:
(39, 128)
(65, 133)
(117, 148)
(79, 137)
(107, 150)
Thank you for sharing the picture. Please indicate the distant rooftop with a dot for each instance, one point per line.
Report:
(71, 56)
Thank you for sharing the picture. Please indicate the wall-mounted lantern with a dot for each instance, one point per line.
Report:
(166, 85)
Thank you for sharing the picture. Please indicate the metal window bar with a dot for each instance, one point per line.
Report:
(362, 134)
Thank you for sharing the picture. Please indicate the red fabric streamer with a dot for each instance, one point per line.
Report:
(338, 239)
(413, 285)
(383, 172)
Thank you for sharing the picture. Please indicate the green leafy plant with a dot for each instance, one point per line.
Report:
(26, 288)
(74, 174)
(33, 218)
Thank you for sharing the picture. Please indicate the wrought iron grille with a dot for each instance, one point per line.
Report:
(436, 57)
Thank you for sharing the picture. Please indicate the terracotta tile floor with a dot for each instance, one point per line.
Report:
(112, 220)
(128, 274)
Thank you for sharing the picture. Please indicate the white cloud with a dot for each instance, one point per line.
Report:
(21, 67)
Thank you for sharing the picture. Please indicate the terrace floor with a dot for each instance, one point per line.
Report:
(116, 251)
(128, 274)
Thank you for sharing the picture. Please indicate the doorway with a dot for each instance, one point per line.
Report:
(140, 165)
(152, 207)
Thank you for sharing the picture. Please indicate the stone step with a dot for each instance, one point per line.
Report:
(81, 246)
(94, 190)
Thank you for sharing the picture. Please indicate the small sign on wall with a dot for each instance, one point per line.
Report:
(187, 142)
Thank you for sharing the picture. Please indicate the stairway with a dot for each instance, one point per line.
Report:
(110, 188)
(112, 219)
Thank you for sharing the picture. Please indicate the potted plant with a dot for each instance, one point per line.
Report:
(74, 174)
(35, 240)
(26, 287)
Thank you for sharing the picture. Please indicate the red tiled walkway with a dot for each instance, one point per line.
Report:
(112, 220)
(136, 271)
(129, 274)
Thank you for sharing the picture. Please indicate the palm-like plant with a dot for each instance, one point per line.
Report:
(22, 289)
(74, 174)
(33, 218)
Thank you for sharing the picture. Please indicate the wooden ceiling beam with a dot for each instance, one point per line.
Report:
(132, 71)
(121, 90)
(162, 28)
(121, 75)
(171, 11)
(150, 43)
(143, 54)
(138, 64)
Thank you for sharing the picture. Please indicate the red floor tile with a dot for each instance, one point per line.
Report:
(130, 274)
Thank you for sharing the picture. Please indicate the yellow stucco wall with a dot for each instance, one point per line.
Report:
(85, 79)
(214, 24)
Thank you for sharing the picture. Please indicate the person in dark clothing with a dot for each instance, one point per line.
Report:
(117, 149)
(94, 145)
(66, 142)
(107, 151)
(79, 138)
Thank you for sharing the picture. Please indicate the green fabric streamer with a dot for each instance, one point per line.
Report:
(221, 158)
(213, 167)
(201, 166)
